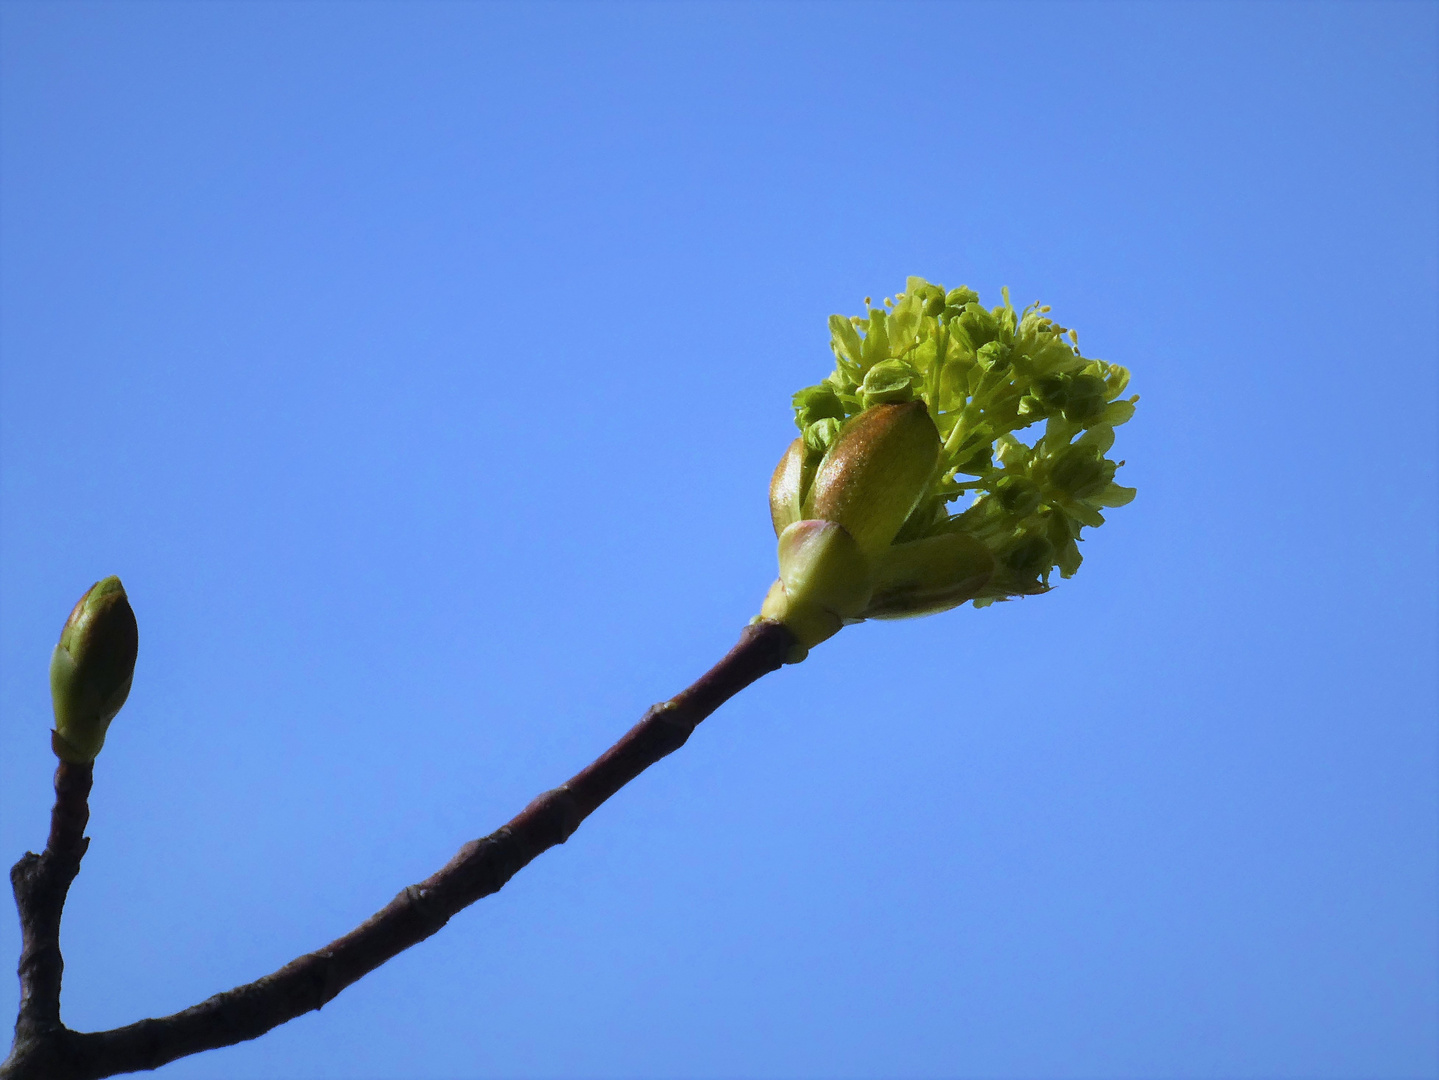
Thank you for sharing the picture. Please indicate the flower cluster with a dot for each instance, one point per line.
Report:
(922, 410)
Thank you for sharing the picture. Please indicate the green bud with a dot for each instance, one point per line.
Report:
(820, 435)
(889, 382)
(1029, 555)
(91, 669)
(928, 576)
(1081, 471)
(1086, 398)
(1031, 408)
(961, 297)
(981, 326)
(824, 582)
(876, 472)
(816, 403)
(994, 357)
(1052, 391)
(1017, 494)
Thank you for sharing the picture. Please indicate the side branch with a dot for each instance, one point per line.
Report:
(480, 868)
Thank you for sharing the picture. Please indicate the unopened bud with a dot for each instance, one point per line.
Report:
(787, 487)
(876, 472)
(820, 435)
(817, 403)
(887, 383)
(1029, 555)
(1081, 470)
(1052, 391)
(1017, 494)
(824, 581)
(91, 669)
(994, 357)
(1086, 398)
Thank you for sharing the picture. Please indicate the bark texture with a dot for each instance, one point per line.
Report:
(41, 883)
(45, 1049)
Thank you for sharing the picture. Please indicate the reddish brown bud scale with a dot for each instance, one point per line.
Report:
(876, 472)
(786, 488)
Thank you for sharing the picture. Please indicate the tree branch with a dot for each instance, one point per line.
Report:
(41, 883)
(44, 1048)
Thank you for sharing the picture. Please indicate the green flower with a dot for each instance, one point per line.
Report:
(91, 669)
(922, 411)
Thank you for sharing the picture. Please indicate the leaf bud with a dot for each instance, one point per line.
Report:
(876, 472)
(91, 669)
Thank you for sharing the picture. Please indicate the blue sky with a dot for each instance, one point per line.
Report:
(421, 367)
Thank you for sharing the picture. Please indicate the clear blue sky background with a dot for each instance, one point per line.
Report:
(421, 367)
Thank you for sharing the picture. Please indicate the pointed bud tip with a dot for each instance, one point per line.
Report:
(91, 669)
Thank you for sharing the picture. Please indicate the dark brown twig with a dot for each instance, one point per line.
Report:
(44, 1048)
(41, 883)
